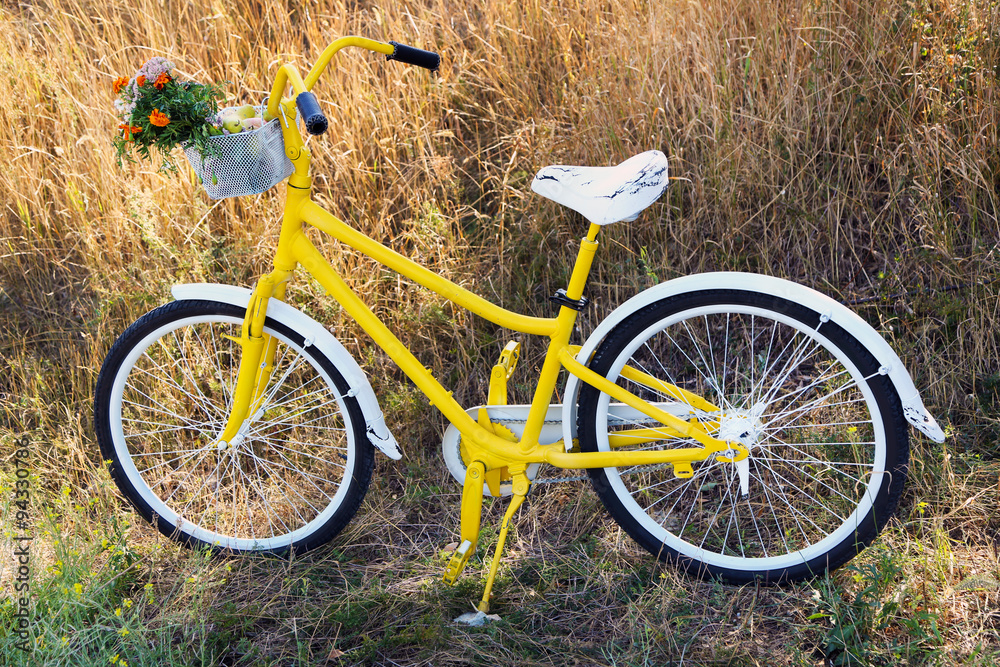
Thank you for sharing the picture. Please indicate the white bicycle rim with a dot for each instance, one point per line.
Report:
(686, 549)
(160, 508)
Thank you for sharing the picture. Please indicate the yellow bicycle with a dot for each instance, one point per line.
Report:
(739, 425)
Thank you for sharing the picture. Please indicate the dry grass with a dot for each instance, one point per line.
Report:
(849, 146)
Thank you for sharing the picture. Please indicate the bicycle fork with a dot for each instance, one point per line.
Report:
(256, 360)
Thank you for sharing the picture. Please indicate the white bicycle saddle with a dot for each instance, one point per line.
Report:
(606, 194)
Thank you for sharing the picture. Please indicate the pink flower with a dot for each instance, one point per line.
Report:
(151, 70)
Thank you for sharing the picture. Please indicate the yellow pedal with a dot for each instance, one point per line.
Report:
(457, 562)
(501, 372)
(509, 357)
(683, 470)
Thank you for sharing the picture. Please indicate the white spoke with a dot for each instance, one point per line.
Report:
(787, 503)
(218, 369)
(272, 443)
(199, 400)
(164, 410)
(718, 508)
(812, 499)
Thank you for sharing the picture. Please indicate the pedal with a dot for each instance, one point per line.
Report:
(457, 562)
(509, 357)
(502, 371)
(683, 470)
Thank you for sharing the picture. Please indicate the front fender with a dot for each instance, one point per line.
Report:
(913, 407)
(316, 333)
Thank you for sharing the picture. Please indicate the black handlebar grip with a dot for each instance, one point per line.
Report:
(411, 56)
(313, 117)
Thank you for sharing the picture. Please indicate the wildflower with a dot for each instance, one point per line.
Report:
(155, 66)
(119, 83)
(127, 602)
(78, 589)
(123, 632)
(129, 130)
(65, 640)
(65, 490)
(178, 105)
(118, 611)
(113, 659)
(159, 119)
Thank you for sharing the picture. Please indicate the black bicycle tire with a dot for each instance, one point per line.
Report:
(360, 477)
(895, 429)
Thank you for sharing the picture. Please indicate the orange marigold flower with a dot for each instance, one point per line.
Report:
(161, 81)
(159, 119)
(129, 130)
(140, 80)
(119, 83)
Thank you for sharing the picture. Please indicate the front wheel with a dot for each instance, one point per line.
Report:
(823, 423)
(291, 479)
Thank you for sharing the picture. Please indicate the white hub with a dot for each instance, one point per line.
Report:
(744, 427)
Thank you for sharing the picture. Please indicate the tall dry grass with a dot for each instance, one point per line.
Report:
(849, 146)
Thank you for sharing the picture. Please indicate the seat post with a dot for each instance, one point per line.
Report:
(581, 270)
(570, 307)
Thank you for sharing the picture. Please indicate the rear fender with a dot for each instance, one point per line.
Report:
(913, 408)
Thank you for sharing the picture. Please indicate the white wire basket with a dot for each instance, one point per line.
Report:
(247, 163)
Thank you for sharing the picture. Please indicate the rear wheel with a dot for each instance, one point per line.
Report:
(292, 478)
(824, 426)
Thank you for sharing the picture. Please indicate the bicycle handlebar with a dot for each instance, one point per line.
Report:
(308, 105)
(312, 115)
(411, 56)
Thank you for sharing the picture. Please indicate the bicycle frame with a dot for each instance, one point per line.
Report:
(294, 248)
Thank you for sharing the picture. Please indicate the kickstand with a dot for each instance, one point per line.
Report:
(521, 485)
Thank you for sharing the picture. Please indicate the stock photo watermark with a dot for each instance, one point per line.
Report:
(22, 538)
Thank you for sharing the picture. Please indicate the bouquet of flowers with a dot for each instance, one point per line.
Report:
(157, 112)
(234, 151)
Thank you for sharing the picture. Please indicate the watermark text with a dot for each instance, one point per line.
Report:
(21, 509)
